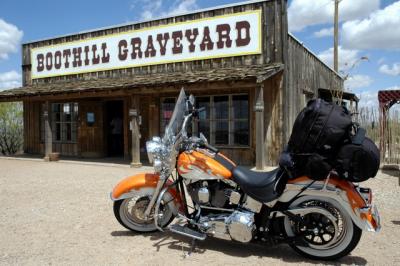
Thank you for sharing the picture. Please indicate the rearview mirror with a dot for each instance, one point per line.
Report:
(191, 99)
(190, 103)
(203, 138)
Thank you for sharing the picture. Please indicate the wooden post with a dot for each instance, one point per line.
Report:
(126, 128)
(48, 134)
(259, 109)
(135, 149)
(336, 37)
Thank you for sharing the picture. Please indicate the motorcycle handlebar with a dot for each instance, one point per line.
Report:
(201, 109)
(211, 148)
(196, 112)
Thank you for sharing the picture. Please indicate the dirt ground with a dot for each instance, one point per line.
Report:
(61, 213)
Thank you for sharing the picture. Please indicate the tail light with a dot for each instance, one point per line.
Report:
(366, 193)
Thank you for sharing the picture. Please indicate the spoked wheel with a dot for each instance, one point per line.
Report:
(130, 213)
(325, 237)
(318, 230)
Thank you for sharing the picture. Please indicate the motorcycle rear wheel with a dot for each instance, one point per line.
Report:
(130, 213)
(342, 244)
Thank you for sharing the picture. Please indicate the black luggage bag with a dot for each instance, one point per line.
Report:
(320, 127)
(318, 132)
(358, 160)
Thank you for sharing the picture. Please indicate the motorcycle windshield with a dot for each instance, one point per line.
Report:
(175, 124)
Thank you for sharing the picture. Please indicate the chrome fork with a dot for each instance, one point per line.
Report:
(156, 194)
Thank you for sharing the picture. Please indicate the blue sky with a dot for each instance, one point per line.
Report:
(371, 30)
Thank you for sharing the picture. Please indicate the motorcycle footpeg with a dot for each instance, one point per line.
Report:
(186, 231)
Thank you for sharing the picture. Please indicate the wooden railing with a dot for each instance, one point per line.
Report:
(368, 117)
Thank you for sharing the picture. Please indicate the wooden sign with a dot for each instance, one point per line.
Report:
(229, 35)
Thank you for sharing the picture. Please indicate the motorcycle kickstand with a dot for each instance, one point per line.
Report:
(192, 248)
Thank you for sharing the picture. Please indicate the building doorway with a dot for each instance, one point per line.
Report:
(114, 126)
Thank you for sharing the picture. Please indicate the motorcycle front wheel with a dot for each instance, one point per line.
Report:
(130, 212)
(323, 238)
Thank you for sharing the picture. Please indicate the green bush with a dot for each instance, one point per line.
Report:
(11, 128)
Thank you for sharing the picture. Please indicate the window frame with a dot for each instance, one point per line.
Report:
(62, 123)
(212, 120)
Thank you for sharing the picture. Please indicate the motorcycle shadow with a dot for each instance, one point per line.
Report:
(234, 249)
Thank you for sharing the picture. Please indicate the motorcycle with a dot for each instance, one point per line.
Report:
(212, 196)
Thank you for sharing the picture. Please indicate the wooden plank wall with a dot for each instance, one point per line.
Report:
(273, 119)
(91, 137)
(66, 149)
(272, 44)
(32, 141)
(304, 73)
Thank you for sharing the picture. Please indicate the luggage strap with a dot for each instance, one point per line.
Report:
(359, 137)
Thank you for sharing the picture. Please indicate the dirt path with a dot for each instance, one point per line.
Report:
(59, 213)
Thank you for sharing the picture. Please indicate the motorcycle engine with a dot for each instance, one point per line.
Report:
(238, 226)
(213, 193)
(233, 225)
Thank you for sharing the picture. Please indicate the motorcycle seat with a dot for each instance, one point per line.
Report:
(261, 186)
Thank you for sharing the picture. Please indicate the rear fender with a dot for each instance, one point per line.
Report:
(363, 213)
(131, 186)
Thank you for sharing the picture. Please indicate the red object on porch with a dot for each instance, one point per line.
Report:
(388, 97)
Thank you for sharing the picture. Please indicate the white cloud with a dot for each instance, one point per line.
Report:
(325, 32)
(183, 6)
(358, 81)
(9, 80)
(347, 58)
(10, 38)
(369, 99)
(381, 30)
(303, 13)
(393, 71)
(152, 9)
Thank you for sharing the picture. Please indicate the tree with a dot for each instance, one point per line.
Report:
(11, 128)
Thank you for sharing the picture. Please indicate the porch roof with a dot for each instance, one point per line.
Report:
(346, 95)
(256, 73)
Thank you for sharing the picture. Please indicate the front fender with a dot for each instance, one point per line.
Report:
(127, 187)
(136, 182)
(363, 213)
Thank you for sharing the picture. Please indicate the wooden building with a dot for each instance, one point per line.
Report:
(105, 92)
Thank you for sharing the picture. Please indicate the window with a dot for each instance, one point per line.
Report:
(226, 121)
(64, 118)
(229, 121)
(203, 125)
(240, 120)
(221, 120)
(167, 108)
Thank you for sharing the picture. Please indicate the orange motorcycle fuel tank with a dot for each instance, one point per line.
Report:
(202, 165)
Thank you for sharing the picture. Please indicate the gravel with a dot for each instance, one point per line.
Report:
(61, 213)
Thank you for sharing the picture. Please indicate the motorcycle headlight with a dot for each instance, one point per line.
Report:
(157, 165)
(152, 147)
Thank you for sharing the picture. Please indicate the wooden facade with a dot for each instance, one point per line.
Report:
(305, 74)
(276, 81)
